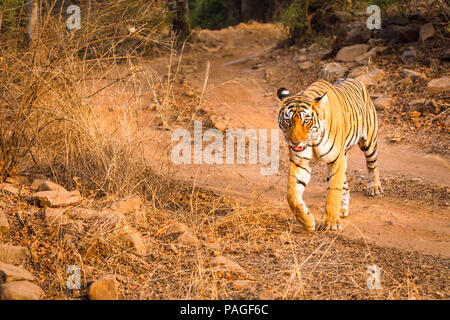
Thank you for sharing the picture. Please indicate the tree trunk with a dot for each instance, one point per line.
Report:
(180, 24)
(32, 7)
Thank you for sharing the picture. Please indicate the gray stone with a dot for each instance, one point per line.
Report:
(383, 103)
(305, 65)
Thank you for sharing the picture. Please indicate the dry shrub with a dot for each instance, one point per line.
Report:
(48, 107)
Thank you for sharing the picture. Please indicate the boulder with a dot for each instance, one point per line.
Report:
(305, 65)
(224, 264)
(358, 34)
(426, 31)
(332, 71)
(9, 273)
(409, 55)
(134, 242)
(56, 198)
(13, 254)
(21, 180)
(105, 288)
(367, 80)
(45, 185)
(55, 216)
(350, 53)
(20, 290)
(439, 85)
(175, 229)
(129, 204)
(383, 103)
(413, 75)
(9, 189)
(4, 225)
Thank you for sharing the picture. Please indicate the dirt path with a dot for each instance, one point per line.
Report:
(239, 92)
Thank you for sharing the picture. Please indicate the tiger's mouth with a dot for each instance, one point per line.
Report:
(298, 148)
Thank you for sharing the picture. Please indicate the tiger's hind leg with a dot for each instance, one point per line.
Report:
(370, 150)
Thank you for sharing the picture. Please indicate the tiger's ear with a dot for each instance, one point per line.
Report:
(282, 93)
(319, 105)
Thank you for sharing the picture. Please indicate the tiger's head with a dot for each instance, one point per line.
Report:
(301, 119)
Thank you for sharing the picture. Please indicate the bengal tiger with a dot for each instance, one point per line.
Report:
(323, 122)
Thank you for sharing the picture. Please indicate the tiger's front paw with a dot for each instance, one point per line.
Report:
(374, 190)
(330, 223)
(306, 220)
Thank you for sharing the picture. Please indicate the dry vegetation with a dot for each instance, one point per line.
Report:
(54, 123)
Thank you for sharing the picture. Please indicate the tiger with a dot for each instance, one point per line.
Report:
(322, 122)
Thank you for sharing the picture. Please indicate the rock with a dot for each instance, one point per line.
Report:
(376, 74)
(301, 58)
(55, 216)
(72, 230)
(439, 85)
(110, 220)
(46, 185)
(358, 34)
(13, 254)
(314, 47)
(9, 189)
(20, 290)
(426, 31)
(383, 103)
(357, 72)
(9, 273)
(366, 57)
(343, 16)
(397, 19)
(241, 284)
(416, 105)
(128, 204)
(409, 55)
(134, 242)
(305, 65)
(106, 288)
(4, 225)
(81, 213)
(414, 75)
(56, 198)
(332, 71)
(350, 53)
(224, 264)
(446, 54)
(188, 238)
(406, 34)
(367, 80)
(175, 228)
(22, 180)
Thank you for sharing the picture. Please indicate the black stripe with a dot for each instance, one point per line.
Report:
(299, 166)
(301, 182)
(373, 152)
(332, 146)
